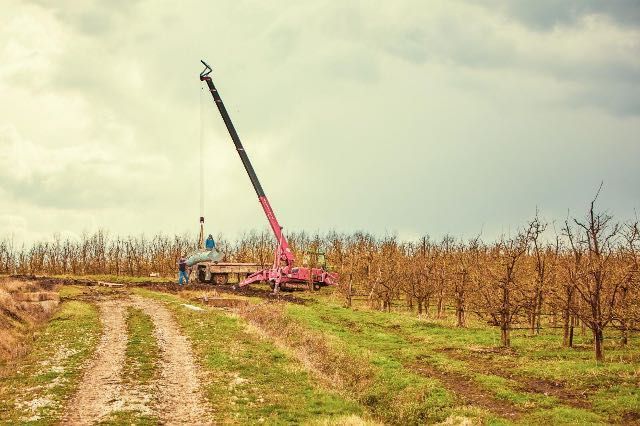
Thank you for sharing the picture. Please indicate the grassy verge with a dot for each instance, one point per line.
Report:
(379, 382)
(250, 380)
(36, 387)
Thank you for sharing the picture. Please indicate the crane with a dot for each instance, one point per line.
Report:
(283, 269)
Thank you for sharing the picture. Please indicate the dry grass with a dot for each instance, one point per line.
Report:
(334, 365)
(23, 306)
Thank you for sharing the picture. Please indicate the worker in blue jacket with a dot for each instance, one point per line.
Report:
(182, 268)
(210, 244)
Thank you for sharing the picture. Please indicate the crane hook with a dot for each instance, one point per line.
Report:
(207, 70)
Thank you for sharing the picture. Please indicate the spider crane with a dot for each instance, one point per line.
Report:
(283, 270)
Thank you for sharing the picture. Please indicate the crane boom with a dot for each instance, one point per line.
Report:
(285, 254)
(283, 270)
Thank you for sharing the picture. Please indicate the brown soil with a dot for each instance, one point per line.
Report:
(248, 291)
(171, 287)
(465, 388)
(486, 365)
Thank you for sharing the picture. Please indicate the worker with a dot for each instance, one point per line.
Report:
(182, 268)
(210, 244)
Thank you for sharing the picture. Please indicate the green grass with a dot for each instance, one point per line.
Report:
(250, 380)
(46, 378)
(396, 341)
(142, 351)
(563, 416)
(504, 389)
(618, 401)
(128, 418)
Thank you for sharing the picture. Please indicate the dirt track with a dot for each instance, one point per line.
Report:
(180, 398)
(101, 382)
(174, 397)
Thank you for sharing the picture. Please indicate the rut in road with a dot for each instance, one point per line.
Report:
(101, 383)
(174, 397)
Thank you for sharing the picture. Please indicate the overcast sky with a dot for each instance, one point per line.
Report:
(391, 117)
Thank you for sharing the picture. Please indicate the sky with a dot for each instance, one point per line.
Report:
(404, 117)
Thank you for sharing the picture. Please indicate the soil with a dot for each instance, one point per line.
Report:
(468, 391)
(180, 399)
(552, 388)
(101, 385)
(171, 287)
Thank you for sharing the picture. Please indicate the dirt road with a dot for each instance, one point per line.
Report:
(180, 399)
(174, 397)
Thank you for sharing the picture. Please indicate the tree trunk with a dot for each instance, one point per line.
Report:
(598, 338)
(419, 307)
(440, 306)
(505, 336)
(625, 334)
(538, 312)
(460, 315)
(566, 318)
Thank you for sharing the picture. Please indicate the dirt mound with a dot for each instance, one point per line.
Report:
(23, 305)
(248, 291)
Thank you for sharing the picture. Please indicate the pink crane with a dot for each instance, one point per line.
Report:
(283, 270)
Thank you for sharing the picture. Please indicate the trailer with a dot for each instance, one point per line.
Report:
(221, 273)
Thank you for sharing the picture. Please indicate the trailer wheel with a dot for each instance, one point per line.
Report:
(317, 286)
(220, 279)
(202, 275)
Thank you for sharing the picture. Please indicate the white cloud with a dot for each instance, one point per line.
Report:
(399, 116)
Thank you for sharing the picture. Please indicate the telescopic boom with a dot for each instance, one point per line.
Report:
(285, 254)
(283, 270)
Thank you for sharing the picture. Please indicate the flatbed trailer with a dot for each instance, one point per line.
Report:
(221, 273)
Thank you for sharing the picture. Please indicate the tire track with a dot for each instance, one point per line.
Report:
(180, 399)
(100, 387)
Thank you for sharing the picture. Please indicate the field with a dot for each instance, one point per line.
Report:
(151, 353)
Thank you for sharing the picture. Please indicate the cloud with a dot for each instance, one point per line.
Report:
(547, 14)
(407, 116)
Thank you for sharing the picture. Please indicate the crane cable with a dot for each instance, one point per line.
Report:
(201, 159)
(201, 152)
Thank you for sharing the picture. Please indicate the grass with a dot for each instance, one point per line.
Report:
(251, 380)
(320, 363)
(142, 351)
(396, 341)
(36, 387)
(378, 382)
(140, 368)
